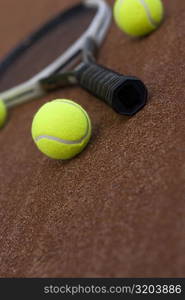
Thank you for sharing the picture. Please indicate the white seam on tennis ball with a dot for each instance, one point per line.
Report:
(150, 18)
(62, 141)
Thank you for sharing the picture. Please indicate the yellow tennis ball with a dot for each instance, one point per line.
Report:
(61, 129)
(3, 113)
(138, 17)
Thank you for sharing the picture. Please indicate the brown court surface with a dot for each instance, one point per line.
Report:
(118, 209)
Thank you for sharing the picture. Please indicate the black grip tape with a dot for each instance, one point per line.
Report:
(125, 94)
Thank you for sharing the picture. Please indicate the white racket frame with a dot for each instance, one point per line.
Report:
(32, 89)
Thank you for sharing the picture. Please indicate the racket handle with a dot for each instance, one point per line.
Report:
(125, 94)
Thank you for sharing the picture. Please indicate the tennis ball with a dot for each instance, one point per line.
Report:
(138, 17)
(3, 113)
(61, 129)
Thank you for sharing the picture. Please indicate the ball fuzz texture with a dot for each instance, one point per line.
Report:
(138, 17)
(3, 113)
(61, 129)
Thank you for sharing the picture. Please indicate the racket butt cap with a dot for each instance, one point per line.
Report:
(129, 96)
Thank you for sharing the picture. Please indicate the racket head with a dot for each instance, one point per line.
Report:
(71, 29)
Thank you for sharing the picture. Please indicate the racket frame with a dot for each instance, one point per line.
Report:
(33, 87)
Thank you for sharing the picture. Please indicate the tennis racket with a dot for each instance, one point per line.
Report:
(77, 65)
